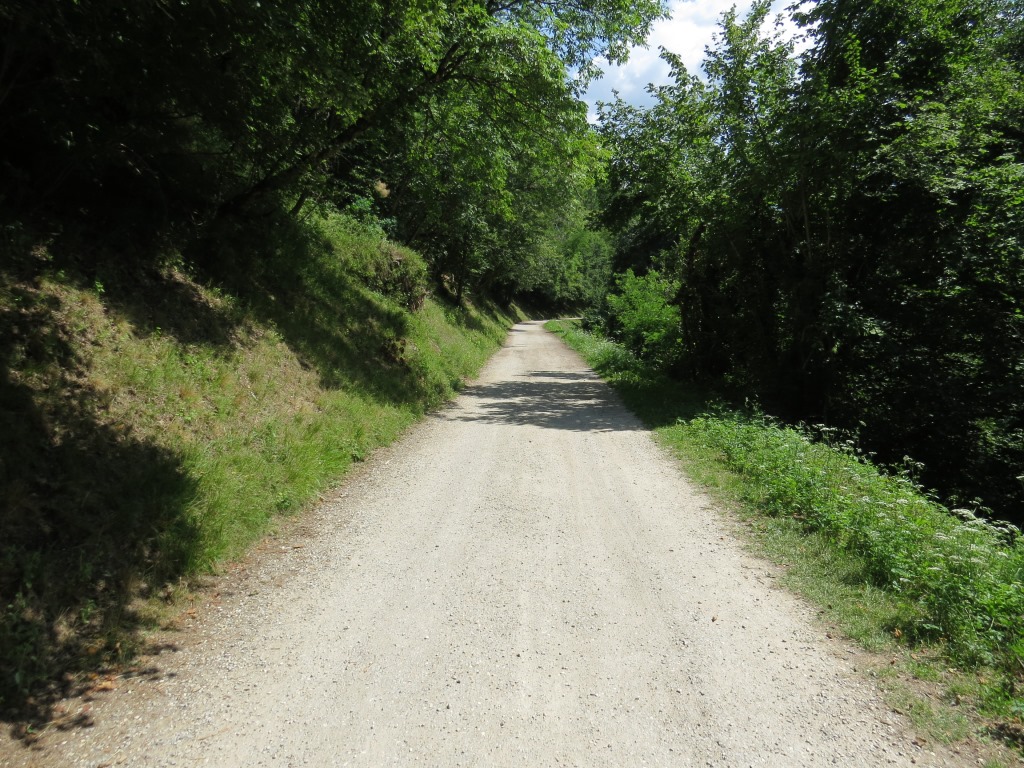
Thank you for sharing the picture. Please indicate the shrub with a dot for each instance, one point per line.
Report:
(401, 274)
(964, 573)
(643, 318)
(386, 267)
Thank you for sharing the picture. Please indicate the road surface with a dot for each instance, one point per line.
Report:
(524, 580)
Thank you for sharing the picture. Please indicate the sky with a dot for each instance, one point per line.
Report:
(686, 33)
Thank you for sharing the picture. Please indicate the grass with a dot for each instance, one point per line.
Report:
(157, 420)
(938, 591)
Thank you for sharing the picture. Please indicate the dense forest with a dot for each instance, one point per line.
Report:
(839, 234)
(174, 126)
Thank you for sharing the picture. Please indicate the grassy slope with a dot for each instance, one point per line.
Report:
(941, 597)
(154, 425)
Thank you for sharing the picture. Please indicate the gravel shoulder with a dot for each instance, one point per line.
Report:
(525, 579)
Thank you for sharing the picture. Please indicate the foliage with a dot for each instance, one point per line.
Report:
(960, 578)
(485, 183)
(845, 226)
(172, 122)
(965, 574)
(643, 318)
(395, 271)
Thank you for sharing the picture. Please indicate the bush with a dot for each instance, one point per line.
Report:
(386, 267)
(401, 274)
(644, 320)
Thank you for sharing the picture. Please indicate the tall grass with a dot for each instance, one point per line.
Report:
(156, 421)
(959, 577)
(964, 574)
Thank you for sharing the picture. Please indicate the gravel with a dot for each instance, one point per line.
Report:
(525, 579)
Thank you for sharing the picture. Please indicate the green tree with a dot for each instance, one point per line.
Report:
(846, 228)
(199, 111)
(644, 317)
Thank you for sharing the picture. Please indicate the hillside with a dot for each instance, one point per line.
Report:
(158, 421)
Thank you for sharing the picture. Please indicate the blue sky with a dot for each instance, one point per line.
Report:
(686, 33)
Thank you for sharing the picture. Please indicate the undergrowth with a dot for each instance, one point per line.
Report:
(156, 419)
(908, 571)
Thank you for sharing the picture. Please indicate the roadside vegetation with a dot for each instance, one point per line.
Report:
(835, 229)
(241, 245)
(890, 566)
(816, 299)
(156, 424)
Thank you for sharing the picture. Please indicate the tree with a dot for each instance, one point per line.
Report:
(846, 229)
(202, 111)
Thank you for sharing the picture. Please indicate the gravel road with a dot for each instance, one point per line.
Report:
(525, 580)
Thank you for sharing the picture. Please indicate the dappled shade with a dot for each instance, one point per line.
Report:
(579, 402)
(89, 511)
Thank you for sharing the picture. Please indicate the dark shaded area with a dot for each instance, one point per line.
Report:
(457, 315)
(560, 375)
(1011, 734)
(552, 400)
(484, 306)
(155, 302)
(136, 287)
(90, 514)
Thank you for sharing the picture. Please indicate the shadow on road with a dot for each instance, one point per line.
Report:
(579, 402)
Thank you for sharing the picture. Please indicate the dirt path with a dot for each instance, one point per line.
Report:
(525, 580)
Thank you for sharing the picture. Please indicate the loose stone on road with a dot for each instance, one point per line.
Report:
(524, 580)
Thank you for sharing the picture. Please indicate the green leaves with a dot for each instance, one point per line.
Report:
(644, 319)
(847, 228)
(208, 110)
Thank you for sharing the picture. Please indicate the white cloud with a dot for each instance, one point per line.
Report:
(687, 33)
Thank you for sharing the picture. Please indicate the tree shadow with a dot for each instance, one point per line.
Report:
(168, 303)
(89, 513)
(277, 272)
(657, 398)
(564, 375)
(460, 315)
(136, 287)
(286, 276)
(548, 399)
(662, 402)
